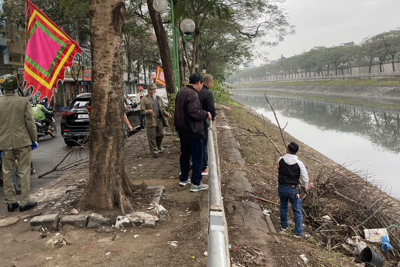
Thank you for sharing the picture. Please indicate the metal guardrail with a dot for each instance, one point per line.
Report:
(217, 251)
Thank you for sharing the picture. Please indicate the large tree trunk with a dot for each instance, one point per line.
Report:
(108, 186)
(163, 47)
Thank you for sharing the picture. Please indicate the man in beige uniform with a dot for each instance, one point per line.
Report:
(152, 107)
(17, 135)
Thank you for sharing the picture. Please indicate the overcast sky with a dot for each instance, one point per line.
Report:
(332, 22)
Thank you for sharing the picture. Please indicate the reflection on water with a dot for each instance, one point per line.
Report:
(367, 139)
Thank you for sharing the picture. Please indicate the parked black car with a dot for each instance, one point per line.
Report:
(75, 120)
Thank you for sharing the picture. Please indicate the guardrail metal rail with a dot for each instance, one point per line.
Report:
(217, 251)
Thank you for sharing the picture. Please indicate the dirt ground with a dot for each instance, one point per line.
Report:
(108, 246)
(187, 225)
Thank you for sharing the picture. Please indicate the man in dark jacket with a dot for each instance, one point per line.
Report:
(207, 104)
(189, 119)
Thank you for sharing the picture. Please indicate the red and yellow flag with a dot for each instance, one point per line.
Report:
(49, 52)
(160, 78)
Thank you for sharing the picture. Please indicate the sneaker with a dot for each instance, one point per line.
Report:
(184, 183)
(303, 235)
(160, 149)
(205, 172)
(283, 231)
(197, 188)
(155, 155)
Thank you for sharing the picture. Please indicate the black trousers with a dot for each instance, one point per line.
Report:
(191, 148)
(205, 141)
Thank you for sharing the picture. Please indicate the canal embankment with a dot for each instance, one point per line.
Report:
(351, 202)
(373, 92)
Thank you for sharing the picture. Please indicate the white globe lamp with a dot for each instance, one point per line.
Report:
(160, 5)
(187, 26)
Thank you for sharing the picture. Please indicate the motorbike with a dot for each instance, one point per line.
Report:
(43, 129)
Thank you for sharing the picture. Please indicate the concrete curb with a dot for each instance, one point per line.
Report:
(240, 184)
(51, 220)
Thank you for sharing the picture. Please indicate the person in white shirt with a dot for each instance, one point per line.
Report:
(290, 171)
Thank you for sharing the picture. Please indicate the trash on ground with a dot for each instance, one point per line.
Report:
(385, 245)
(162, 212)
(193, 257)
(57, 234)
(356, 245)
(173, 243)
(205, 253)
(135, 236)
(150, 208)
(108, 253)
(132, 218)
(375, 235)
(327, 218)
(304, 258)
(266, 212)
(369, 255)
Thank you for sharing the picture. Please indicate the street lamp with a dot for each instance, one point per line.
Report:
(187, 26)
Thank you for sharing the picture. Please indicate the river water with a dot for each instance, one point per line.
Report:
(363, 139)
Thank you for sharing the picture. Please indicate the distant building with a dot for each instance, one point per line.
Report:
(12, 51)
(249, 65)
(348, 44)
(277, 60)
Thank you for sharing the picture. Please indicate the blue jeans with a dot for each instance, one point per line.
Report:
(286, 194)
(191, 148)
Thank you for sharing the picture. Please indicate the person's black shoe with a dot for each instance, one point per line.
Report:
(17, 190)
(155, 155)
(12, 207)
(28, 206)
(1, 182)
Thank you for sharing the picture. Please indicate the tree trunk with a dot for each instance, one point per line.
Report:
(144, 74)
(108, 185)
(181, 63)
(163, 46)
(195, 53)
(370, 66)
(393, 64)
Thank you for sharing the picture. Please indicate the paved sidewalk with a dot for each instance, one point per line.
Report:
(107, 246)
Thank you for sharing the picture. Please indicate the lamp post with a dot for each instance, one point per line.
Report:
(187, 26)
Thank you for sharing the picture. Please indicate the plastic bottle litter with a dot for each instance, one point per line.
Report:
(304, 258)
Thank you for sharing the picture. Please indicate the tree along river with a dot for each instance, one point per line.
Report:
(362, 139)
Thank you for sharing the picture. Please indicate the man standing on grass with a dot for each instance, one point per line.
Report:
(290, 169)
(207, 103)
(189, 118)
(152, 107)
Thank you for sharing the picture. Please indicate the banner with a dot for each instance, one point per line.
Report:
(160, 79)
(49, 52)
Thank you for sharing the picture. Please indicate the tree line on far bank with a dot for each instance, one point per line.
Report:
(339, 60)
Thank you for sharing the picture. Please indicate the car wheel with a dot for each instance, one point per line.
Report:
(70, 142)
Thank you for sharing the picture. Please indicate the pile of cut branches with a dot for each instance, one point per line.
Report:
(341, 205)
